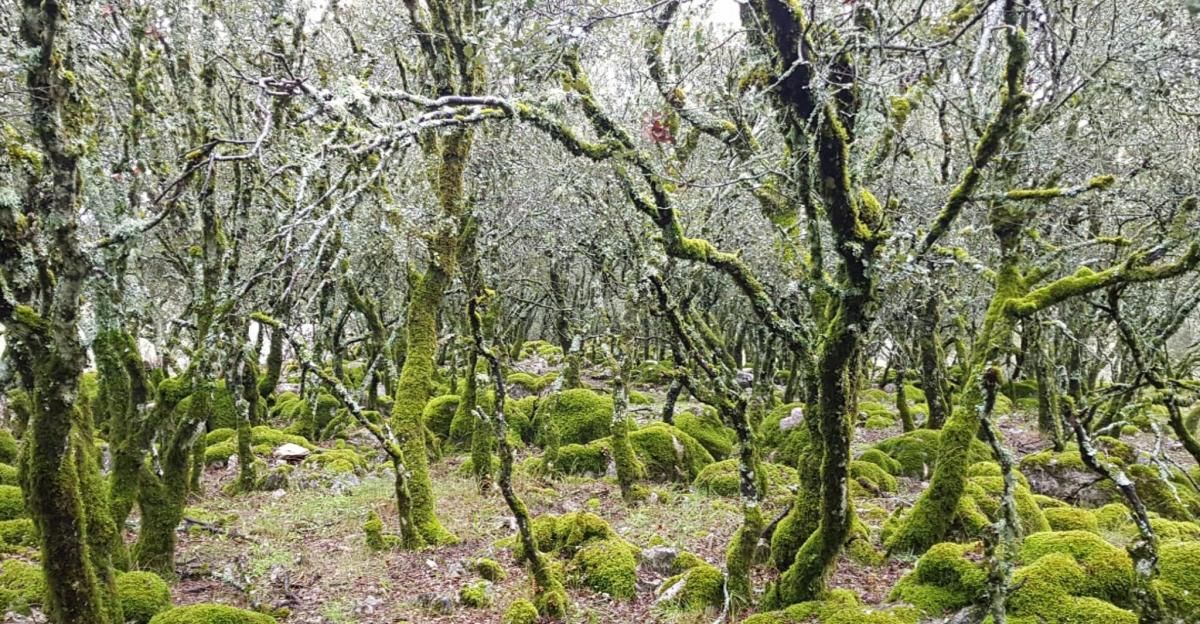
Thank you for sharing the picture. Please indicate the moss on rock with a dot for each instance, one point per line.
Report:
(917, 451)
(579, 415)
(1071, 519)
(211, 614)
(8, 447)
(1107, 570)
(946, 578)
(872, 477)
(521, 611)
(668, 453)
(723, 479)
(707, 429)
(488, 569)
(143, 595)
(881, 459)
(22, 586)
(476, 594)
(12, 503)
(1179, 579)
(608, 566)
(439, 413)
(703, 586)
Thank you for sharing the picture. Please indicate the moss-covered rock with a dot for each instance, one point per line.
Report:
(723, 479)
(580, 459)
(917, 451)
(263, 441)
(1107, 572)
(341, 461)
(947, 577)
(579, 415)
(1112, 516)
(1168, 530)
(8, 475)
(476, 594)
(872, 477)
(881, 459)
(1071, 519)
(1054, 590)
(1179, 579)
(566, 533)
(841, 606)
(784, 435)
(979, 506)
(439, 413)
(12, 503)
(608, 566)
(17, 532)
(22, 586)
(530, 383)
(669, 454)
(696, 588)
(377, 540)
(8, 447)
(716, 438)
(488, 569)
(521, 611)
(1175, 499)
(210, 614)
(143, 595)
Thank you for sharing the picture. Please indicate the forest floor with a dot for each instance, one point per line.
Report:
(303, 549)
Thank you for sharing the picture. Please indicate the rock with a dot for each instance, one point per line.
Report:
(291, 452)
(793, 420)
(658, 559)
(890, 388)
(745, 378)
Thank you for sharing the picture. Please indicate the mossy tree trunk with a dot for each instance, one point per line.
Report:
(902, 407)
(59, 471)
(933, 362)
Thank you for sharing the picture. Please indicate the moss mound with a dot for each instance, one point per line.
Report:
(581, 459)
(881, 459)
(608, 566)
(12, 503)
(872, 477)
(521, 611)
(723, 479)
(263, 440)
(8, 447)
(488, 569)
(8, 475)
(668, 453)
(341, 461)
(1054, 590)
(784, 434)
(143, 595)
(980, 506)
(1106, 570)
(21, 586)
(210, 614)
(477, 594)
(566, 533)
(1179, 579)
(578, 415)
(917, 451)
(696, 588)
(948, 577)
(840, 607)
(530, 383)
(707, 429)
(1071, 519)
(439, 413)
(17, 532)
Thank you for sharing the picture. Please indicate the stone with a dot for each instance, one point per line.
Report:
(792, 420)
(658, 559)
(291, 452)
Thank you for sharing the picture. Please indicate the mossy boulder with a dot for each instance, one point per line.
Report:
(871, 477)
(439, 413)
(143, 595)
(669, 454)
(566, 533)
(980, 506)
(716, 438)
(1106, 569)
(841, 606)
(947, 577)
(22, 586)
(263, 441)
(696, 588)
(376, 539)
(723, 479)
(608, 566)
(1173, 498)
(8, 447)
(580, 459)
(881, 459)
(529, 382)
(1063, 475)
(12, 503)
(8, 475)
(521, 611)
(476, 594)
(488, 569)
(1179, 579)
(207, 613)
(917, 451)
(578, 415)
(1054, 590)
(1071, 519)
(17, 532)
(340, 461)
(1168, 530)
(784, 434)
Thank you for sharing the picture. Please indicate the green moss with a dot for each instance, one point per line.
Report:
(12, 503)
(784, 447)
(841, 606)
(17, 532)
(1107, 570)
(580, 459)
(881, 459)
(1112, 516)
(945, 579)
(668, 453)
(1048, 502)
(579, 416)
(210, 614)
(917, 451)
(608, 566)
(22, 585)
(521, 611)
(1175, 500)
(531, 383)
(342, 460)
(488, 569)
(1071, 519)
(872, 477)
(1054, 588)
(1169, 530)
(723, 479)
(716, 438)
(1179, 579)
(476, 594)
(982, 495)
(8, 447)
(8, 475)
(640, 398)
(143, 595)
(439, 413)
(566, 533)
(703, 587)
(377, 540)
